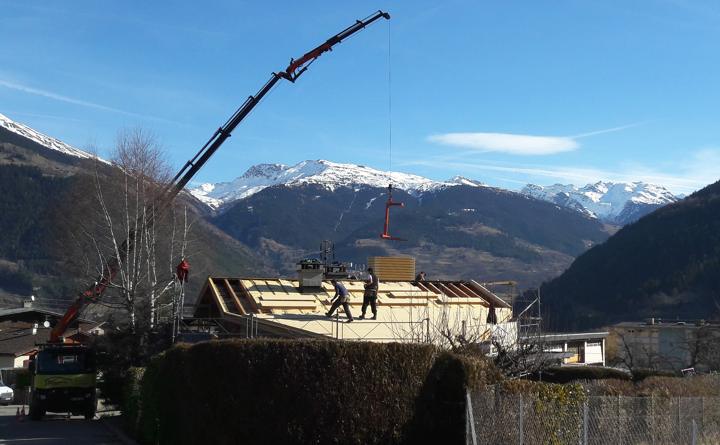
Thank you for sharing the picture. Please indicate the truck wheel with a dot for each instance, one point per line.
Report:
(90, 410)
(37, 411)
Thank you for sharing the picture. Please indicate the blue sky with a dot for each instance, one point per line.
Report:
(505, 92)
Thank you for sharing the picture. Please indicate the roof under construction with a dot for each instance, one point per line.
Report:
(407, 310)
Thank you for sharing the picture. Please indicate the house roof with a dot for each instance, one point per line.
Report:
(20, 341)
(406, 309)
(572, 336)
(659, 323)
(32, 314)
(17, 338)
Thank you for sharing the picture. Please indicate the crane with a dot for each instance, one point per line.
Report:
(293, 71)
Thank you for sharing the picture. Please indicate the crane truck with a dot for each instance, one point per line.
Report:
(63, 375)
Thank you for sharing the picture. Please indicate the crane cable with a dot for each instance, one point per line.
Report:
(389, 79)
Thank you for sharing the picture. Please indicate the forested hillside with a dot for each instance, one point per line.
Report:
(666, 265)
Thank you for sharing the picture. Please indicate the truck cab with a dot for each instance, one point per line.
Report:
(6, 393)
(63, 379)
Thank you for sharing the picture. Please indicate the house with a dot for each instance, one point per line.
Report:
(408, 311)
(669, 345)
(576, 348)
(22, 328)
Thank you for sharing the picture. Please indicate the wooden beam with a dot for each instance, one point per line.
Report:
(235, 298)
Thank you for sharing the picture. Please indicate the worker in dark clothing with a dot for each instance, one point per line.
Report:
(492, 316)
(420, 276)
(341, 297)
(370, 296)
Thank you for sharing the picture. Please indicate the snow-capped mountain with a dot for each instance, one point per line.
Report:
(42, 139)
(616, 203)
(461, 180)
(330, 175)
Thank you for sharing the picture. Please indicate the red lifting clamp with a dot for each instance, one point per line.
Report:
(389, 203)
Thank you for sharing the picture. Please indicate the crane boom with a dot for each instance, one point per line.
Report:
(294, 70)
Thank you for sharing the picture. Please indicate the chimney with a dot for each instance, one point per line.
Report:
(310, 273)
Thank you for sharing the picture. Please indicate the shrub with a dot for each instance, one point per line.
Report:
(642, 374)
(567, 374)
(657, 386)
(301, 391)
(132, 399)
(560, 407)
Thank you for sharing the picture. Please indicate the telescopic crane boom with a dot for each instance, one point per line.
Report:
(293, 71)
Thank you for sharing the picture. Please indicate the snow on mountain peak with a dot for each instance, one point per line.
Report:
(603, 200)
(330, 175)
(42, 139)
(461, 180)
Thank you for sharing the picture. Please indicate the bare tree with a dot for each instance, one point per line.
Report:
(123, 226)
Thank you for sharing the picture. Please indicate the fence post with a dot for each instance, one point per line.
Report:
(469, 420)
(522, 413)
(694, 432)
(585, 423)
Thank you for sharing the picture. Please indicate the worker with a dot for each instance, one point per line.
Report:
(370, 296)
(420, 276)
(492, 316)
(182, 271)
(341, 297)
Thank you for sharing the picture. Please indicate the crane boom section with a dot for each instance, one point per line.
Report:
(186, 173)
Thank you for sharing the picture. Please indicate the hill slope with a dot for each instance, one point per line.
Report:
(666, 265)
(37, 172)
(456, 231)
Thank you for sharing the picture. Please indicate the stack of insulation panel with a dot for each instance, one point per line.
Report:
(393, 268)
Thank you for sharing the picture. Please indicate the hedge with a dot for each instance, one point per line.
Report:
(131, 399)
(658, 386)
(639, 375)
(566, 374)
(305, 391)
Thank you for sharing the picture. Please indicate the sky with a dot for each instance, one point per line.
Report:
(505, 92)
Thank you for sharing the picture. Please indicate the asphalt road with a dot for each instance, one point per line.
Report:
(53, 429)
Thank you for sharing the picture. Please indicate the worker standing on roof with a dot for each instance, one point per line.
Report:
(341, 297)
(370, 296)
(492, 316)
(420, 276)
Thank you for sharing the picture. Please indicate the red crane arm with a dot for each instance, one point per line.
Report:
(291, 73)
(298, 66)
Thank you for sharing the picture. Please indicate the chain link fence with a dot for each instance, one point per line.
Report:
(497, 418)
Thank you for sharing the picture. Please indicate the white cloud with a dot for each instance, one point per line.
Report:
(516, 144)
(698, 170)
(519, 144)
(71, 100)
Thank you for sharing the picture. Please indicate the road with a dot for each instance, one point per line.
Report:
(53, 429)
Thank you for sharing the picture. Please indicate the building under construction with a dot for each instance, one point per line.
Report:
(408, 310)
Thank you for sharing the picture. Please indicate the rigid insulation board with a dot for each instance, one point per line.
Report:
(393, 268)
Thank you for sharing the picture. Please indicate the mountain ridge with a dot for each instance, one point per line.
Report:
(48, 142)
(328, 174)
(612, 202)
(666, 264)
